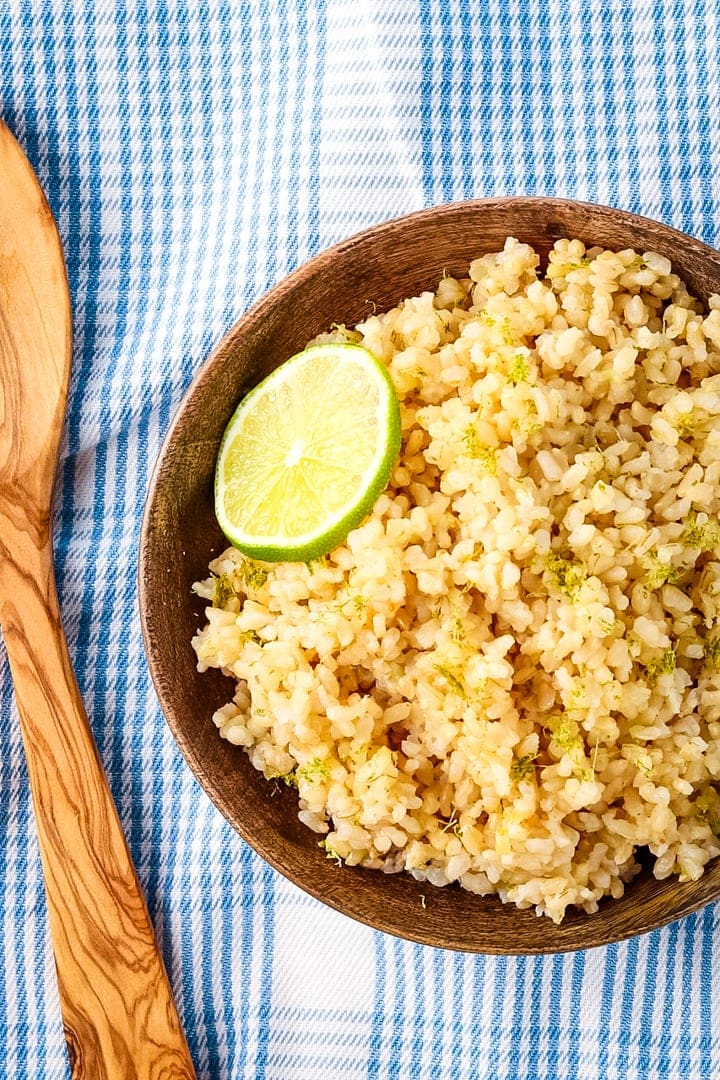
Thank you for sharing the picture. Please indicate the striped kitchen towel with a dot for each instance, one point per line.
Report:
(193, 154)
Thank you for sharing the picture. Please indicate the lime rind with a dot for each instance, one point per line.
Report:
(275, 486)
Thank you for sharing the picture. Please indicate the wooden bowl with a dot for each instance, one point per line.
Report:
(373, 270)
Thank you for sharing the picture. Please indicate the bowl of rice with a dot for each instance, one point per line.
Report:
(489, 719)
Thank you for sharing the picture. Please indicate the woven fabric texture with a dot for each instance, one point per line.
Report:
(193, 154)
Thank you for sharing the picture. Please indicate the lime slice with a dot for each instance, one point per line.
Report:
(307, 453)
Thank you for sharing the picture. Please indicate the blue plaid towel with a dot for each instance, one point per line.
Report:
(194, 154)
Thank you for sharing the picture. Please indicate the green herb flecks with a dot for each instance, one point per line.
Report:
(566, 734)
(314, 771)
(519, 368)
(567, 575)
(658, 573)
(705, 536)
(486, 455)
(253, 575)
(523, 767)
(506, 331)
(661, 665)
(454, 682)
(223, 591)
(707, 808)
(711, 649)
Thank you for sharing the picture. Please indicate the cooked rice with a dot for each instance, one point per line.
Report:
(509, 675)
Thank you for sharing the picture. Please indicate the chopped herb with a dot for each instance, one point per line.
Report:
(707, 808)
(223, 591)
(712, 651)
(566, 734)
(705, 535)
(658, 573)
(506, 331)
(568, 267)
(486, 317)
(685, 424)
(566, 575)
(638, 263)
(356, 602)
(519, 368)
(523, 767)
(662, 665)
(457, 629)
(317, 769)
(253, 575)
(455, 684)
(486, 455)
(607, 625)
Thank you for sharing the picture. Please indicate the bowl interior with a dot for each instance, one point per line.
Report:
(372, 271)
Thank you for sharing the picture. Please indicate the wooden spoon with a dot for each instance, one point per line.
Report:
(119, 1015)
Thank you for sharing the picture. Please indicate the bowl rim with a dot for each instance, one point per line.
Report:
(700, 892)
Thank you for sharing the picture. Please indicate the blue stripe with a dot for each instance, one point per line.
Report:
(460, 972)
(292, 246)
(397, 1036)
(243, 82)
(702, 136)
(417, 971)
(520, 1049)
(466, 119)
(655, 941)
(437, 1011)
(562, 84)
(502, 61)
(209, 881)
(608, 104)
(427, 83)
(558, 1022)
(664, 165)
(626, 44)
(375, 1044)
(316, 128)
(588, 113)
(706, 977)
(266, 974)
(684, 161)
(495, 1040)
(445, 115)
(247, 948)
(606, 1004)
(669, 1005)
(524, 16)
(627, 1007)
(477, 997)
(687, 1041)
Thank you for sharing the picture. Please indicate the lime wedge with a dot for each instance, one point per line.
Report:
(307, 453)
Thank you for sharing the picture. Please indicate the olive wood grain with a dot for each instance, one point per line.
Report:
(119, 1015)
(370, 271)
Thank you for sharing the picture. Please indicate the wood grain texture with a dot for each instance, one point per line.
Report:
(373, 270)
(119, 1015)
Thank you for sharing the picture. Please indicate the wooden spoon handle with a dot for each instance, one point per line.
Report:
(119, 1015)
